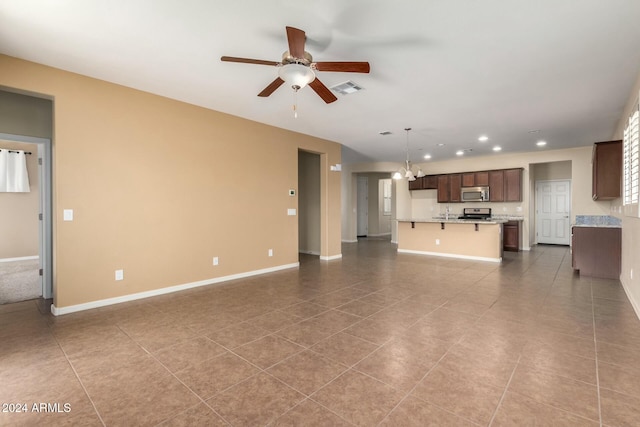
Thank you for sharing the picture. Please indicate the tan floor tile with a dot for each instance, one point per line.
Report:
(518, 410)
(237, 335)
(274, 321)
(211, 376)
(391, 316)
(306, 372)
(359, 399)
(359, 308)
(617, 355)
(413, 412)
(563, 393)
(344, 348)
(458, 394)
(200, 415)
(256, 401)
(310, 414)
(619, 409)
(621, 379)
(373, 331)
(540, 356)
(308, 332)
(268, 351)
(143, 392)
(157, 337)
(481, 368)
(189, 353)
(305, 310)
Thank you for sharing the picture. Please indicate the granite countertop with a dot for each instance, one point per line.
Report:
(599, 221)
(455, 220)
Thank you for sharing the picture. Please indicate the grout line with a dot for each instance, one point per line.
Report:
(595, 345)
(79, 380)
(504, 393)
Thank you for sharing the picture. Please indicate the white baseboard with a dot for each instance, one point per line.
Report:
(474, 258)
(22, 258)
(350, 241)
(395, 242)
(635, 304)
(379, 235)
(330, 258)
(57, 311)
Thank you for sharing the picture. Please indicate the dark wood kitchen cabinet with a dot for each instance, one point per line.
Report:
(597, 251)
(443, 189)
(513, 185)
(496, 186)
(469, 179)
(482, 179)
(607, 170)
(455, 193)
(430, 182)
(417, 184)
(511, 236)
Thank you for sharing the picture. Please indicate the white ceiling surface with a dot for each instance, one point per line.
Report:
(452, 70)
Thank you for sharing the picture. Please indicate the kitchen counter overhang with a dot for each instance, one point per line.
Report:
(457, 238)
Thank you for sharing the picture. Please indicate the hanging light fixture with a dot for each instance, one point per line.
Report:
(297, 76)
(406, 171)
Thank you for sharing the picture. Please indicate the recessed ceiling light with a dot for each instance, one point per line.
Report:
(459, 153)
(541, 143)
(497, 148)
(440, 144)
(427, 156)
(483, 138)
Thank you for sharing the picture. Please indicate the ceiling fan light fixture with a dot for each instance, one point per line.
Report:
(397, 175)
(296, 75)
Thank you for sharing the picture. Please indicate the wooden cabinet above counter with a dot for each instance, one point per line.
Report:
(505, 185)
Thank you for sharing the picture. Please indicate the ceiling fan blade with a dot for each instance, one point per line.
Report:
(347, 67)
(248, 61)
(271, 88)
(322, 91)
(296, 39)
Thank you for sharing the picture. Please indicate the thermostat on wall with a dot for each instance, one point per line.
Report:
(292, 192)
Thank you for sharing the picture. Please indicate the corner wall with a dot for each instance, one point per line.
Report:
(155, 188)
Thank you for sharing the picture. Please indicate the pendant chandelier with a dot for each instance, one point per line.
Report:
(406, 171)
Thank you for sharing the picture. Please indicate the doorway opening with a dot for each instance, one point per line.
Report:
(26, 256)
(309, 203)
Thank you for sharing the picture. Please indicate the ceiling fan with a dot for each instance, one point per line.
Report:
(298, 69)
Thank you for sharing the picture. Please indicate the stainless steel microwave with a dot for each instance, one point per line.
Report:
(475, 194)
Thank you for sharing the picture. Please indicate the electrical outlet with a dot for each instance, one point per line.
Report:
(270, 252)
(119, 274)
(215, 260)
(437, 241)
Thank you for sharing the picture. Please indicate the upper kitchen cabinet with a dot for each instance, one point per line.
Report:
(496, 186)
(417, 184)
(607, 170)
(449, 188)
(475, 179)
(430, 182)
(513, 185)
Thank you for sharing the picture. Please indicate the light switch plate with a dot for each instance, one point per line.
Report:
(119, 274)
(67, 214)
(291, 212)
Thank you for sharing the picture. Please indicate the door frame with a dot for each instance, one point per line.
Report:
(538, 182)
(46, 203)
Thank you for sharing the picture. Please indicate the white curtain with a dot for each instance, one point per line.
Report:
(13, 172)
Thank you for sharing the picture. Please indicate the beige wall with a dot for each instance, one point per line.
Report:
(156, 189)
(309, 203)
(630, 221)
(19, 211)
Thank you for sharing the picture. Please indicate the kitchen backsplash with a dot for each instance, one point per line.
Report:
(598, 220)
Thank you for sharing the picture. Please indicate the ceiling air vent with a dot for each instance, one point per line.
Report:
(346, 88)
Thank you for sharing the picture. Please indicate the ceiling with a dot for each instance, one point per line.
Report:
(517, 71)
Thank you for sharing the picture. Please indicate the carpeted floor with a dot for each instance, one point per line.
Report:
(19, 281)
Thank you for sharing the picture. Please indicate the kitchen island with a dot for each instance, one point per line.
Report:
(457, 238)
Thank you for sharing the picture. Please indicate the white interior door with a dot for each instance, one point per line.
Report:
(553, 212)
(363, 205)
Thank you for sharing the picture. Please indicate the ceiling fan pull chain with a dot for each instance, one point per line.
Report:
(295, 103)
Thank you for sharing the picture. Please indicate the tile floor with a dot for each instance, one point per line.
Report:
(376, 338)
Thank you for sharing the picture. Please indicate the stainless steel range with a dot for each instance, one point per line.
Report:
(476, 214)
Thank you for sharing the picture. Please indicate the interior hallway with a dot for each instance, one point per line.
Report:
(374, 338)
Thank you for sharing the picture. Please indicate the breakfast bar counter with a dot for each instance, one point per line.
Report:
(458, 238)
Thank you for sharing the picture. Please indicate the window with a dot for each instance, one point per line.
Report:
(631, 165)
(386, 196)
